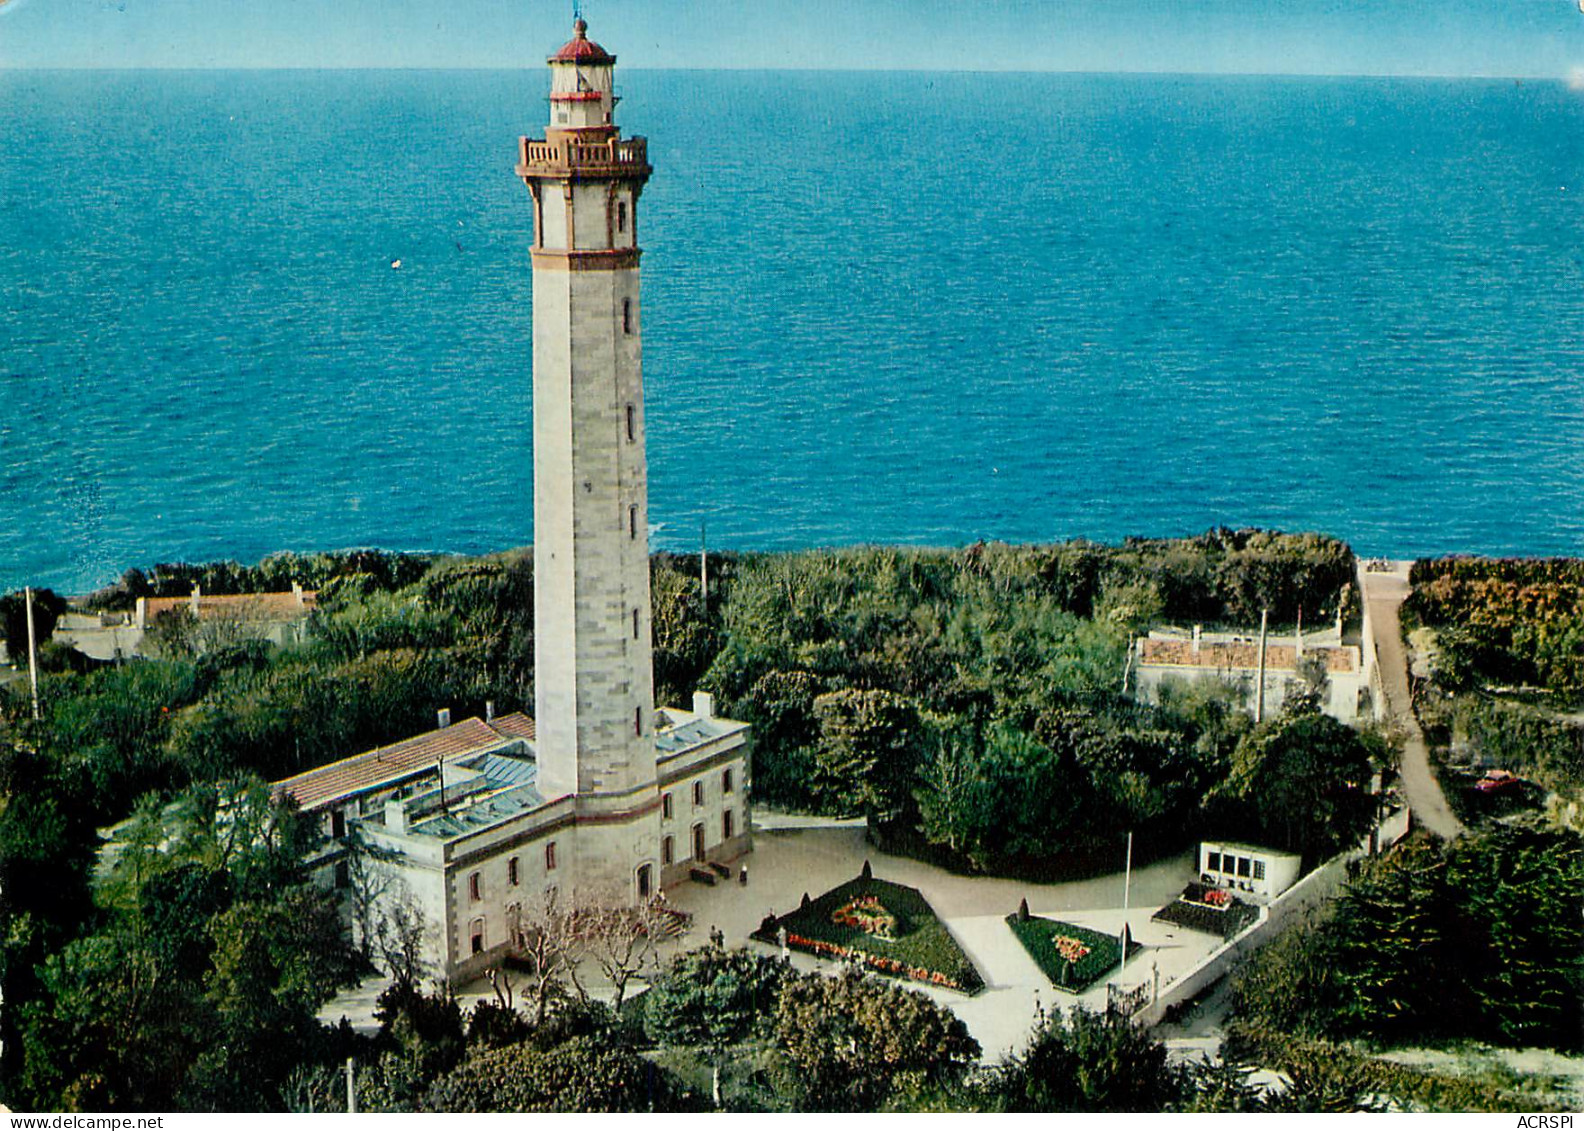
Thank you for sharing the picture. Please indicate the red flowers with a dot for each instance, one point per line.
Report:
(874, 961)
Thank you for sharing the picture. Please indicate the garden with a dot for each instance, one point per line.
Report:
(887, 927)
(1212, 910)
(1073, 958)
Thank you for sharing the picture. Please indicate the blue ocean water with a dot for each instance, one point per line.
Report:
(877, 307)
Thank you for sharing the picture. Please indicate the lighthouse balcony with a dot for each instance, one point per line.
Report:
(560, 158)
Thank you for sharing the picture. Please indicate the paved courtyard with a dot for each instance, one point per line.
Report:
(793, 855)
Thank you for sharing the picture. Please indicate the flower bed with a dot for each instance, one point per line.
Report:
(1072, 957)
(851, 922)
(1215, 911)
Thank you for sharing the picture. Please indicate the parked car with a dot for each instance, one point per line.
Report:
(1498, 781)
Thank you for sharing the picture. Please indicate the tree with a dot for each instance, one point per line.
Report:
(1090, 1062)
(622, 941)
(947, 772)
(549, 944)
(370, 878)
(857, 1042)
(586, 1074)
(866, 757)
(1301, 782)
(712, 997)
(48, 608)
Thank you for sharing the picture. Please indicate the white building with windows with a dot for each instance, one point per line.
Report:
(600, 798)
(1262, 674)
(1257, 874)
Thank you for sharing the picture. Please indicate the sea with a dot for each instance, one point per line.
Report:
(877, 308)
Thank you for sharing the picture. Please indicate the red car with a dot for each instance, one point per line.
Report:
(1498, 781)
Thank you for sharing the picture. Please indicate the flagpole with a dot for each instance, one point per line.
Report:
(1127, 886)
(32, 654)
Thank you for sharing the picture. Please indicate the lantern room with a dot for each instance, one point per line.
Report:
(582, 93)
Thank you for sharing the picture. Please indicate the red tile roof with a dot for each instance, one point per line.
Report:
(391, 763)
(515, 725)
(1242, 656)
(240, 606)
(581, 49)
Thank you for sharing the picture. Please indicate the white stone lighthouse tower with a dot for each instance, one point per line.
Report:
(594, 693)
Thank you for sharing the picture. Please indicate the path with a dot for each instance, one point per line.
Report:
(1384, 593)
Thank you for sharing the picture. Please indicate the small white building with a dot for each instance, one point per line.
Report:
(1291, 661)
(1257, 874)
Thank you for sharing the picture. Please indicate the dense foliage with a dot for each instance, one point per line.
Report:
(194, 980)
(967, 701)
(1481, 938)
(1507, 666)
(1300, 782)
(586, 1074)
(1504, 620)
(1084, 1061)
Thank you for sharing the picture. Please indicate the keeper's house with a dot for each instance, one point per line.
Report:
(453, 822)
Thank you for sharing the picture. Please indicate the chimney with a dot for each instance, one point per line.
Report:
(443, 717)
(489, 710)
(395, 817)
(1197, 629)
(297, 593)
(704, 704)
(197, 595)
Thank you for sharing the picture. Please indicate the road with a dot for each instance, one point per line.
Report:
(1384, 594)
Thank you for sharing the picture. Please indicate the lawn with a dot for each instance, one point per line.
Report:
(1039, 937)
(890, 928)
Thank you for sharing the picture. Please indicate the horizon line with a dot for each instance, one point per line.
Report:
(1563, 79)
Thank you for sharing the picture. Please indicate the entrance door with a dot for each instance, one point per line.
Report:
(698, 843)
(645, 885)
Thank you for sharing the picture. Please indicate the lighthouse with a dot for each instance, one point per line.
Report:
(601, 799)
(593, 671)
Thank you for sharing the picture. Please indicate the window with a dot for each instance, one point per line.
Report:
(635, 624)
(698, 794)
(1243, 866)
(514, 922)
(665, 806)
(621, 215)
(338, 823)
(632, 423)
(645, 882)
(632, 521)
(343, 874)
(698, 842)
(727, 826)
(637, 720)
(726, 781)
(513, 876)
(550, 856)
(668, 850)
(1259, 869)
(627, 318)
(475, 887)
(1213, 862)
(476, 936)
